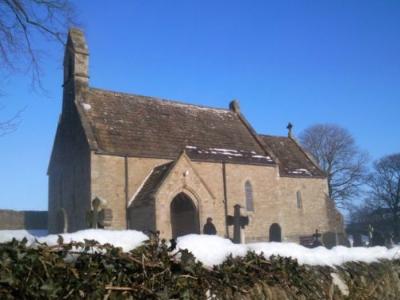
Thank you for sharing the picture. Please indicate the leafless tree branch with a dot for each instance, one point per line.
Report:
(335, 150)
(22, 24)
(10, 124)
(384, 197)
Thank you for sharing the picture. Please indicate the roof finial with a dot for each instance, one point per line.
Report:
(234, 106)
(289, 128)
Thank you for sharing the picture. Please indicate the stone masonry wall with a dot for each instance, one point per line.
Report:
(212, 173)
(264, 185)
(184, 177)
(275, 198)
(69, 169)
(143, 218)
(69, 176)
(108, 183)
(12, 219)
(139, 169)
(313, 213)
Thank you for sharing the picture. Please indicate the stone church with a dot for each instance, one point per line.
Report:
(151, 164)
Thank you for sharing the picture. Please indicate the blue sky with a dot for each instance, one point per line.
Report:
(300, 61)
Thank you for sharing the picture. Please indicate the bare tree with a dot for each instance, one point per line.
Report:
(22, 24)
(368, 215)
(9, 125)
(336, 152)
(385, 190)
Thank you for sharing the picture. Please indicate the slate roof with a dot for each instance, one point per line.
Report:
(227, 155)
(140, 126)
(293, 161)
(151, 184)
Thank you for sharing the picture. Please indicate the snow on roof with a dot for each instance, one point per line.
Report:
(230, 153)
(293, 160)
(300, 172)
(213, 250)
(86, 106)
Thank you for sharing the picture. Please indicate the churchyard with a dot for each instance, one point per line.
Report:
(130, 265)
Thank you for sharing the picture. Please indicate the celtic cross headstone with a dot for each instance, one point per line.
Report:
(239, 222)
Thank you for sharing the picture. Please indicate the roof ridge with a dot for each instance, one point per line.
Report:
(272, 136)
(162, 100)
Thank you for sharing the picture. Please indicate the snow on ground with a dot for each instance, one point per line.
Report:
(323, 256)
(8, 235)
(210, 249)
(213, 250)
(126, 239)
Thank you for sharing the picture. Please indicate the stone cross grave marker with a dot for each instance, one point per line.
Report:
(239, 222)
(99, 218)
(316, 237)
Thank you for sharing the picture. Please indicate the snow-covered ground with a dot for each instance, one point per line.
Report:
(212, 250)
(126, 239)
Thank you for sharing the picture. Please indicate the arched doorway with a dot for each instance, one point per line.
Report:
(184, 216)
(275, 233)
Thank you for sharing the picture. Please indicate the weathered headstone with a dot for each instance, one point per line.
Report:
(316, 236)
(97, 217)
(370, 234)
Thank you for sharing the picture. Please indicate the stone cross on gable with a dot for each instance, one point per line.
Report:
(99, 217)
(289, 128)
(238, 222)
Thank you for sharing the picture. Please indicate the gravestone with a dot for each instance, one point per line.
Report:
(99, 217)
(316, 236)
(239, 222)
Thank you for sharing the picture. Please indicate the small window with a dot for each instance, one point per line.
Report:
(299, 200)
(249, 196)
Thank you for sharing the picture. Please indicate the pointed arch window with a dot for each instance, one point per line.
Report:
(249, 196)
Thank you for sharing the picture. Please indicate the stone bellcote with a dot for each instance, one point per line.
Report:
(76, 59)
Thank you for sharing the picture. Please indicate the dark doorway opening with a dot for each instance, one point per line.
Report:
(275, 233)
(184, 216)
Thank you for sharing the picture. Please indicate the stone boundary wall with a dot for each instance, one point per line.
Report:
(25, 219)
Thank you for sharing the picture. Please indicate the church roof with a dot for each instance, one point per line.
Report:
(150, 184)
(293, 160)
(141, 126)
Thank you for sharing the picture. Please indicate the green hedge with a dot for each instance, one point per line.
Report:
(92, 271)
